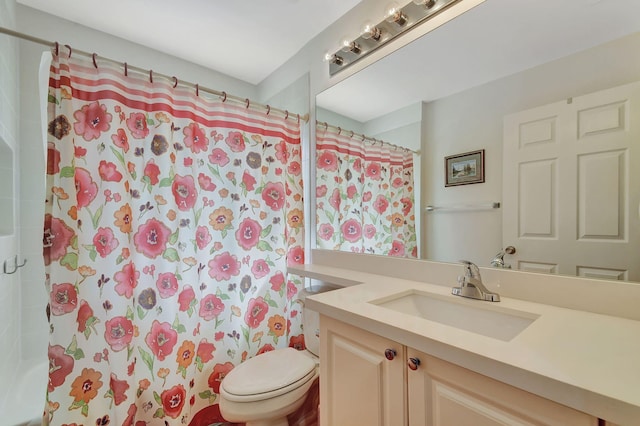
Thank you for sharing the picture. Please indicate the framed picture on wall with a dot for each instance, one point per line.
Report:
(464, 169)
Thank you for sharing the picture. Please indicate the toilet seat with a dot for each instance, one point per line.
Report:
(268, 375)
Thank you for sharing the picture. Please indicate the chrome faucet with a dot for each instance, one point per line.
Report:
(498, 260)
(471, 284)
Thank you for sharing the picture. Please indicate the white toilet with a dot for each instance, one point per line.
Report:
(265, 389)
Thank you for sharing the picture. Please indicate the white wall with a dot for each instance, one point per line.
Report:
(472, 120)
(9, 238)
(51, 28)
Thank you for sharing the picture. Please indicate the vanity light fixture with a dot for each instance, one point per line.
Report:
(397, 20)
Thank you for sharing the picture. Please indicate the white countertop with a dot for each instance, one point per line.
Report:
(587, 361)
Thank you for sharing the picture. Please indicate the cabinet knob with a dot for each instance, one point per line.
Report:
(390, 354)
(413, 363)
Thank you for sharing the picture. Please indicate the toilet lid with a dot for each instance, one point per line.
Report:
(269, 372)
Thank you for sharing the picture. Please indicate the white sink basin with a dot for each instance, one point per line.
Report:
(486, 318)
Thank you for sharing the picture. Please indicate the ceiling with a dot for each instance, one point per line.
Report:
(246, 39)
(493, 40)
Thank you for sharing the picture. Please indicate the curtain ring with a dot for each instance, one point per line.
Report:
(286, 114)
(298, 118)
(151, 76)
(247, 102)
(70, 50)
(351, 137)
(197, 89)
(126, 70)
(224, 96)
(326, 126)
(363, 137)
(175, 82)
(268, 109)
(57, 48)
(339, 130)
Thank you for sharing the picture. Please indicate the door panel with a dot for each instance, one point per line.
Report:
(359, 385)
(570, 191)
(443, 394)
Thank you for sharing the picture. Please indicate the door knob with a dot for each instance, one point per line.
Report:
(390, 354)
(413, 363)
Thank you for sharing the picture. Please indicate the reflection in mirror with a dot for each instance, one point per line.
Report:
(364, 191)
(498, 79)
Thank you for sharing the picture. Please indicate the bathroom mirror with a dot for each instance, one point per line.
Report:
(460, 84)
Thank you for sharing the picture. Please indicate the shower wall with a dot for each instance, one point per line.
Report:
(9, 187)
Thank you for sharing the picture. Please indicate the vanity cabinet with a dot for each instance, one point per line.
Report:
(362, 377)
(367, 379)
(441, 393)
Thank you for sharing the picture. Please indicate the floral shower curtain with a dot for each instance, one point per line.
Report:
(170, 221)
(364, 194)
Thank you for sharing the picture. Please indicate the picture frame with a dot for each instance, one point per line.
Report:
(465, 168)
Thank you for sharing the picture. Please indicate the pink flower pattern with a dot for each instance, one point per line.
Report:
(105, 242)
(56, 239)
(167, 284)
(273, 195)
(127, 280)
(235, 141)
(137, 124)
(164, 233)
(219, 157)
(248, 233)
(161, 339)
(64, 299)
(109, 172)
(152, 171)
(91, 121)
(86, 188)
(210, 307)
(184, 192)
(195, 138)
(118, 333)
(224, 266)
(151, 238)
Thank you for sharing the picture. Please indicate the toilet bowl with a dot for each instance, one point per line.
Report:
(265, 389)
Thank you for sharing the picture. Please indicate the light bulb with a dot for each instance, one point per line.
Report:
(333, 58)
(391, 9)
(370, 31)
(350, 46)
(393, 14)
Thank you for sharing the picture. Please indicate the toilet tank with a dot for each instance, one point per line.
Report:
(310, 318)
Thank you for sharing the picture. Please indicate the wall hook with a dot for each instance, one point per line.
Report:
(15, 267)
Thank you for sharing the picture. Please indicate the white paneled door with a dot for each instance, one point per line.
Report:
(571, 185)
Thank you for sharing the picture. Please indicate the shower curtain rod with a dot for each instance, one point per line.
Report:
(287, 115)
(364, 137)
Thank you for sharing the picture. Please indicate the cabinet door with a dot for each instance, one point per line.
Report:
(359, 385)
(443, 394)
